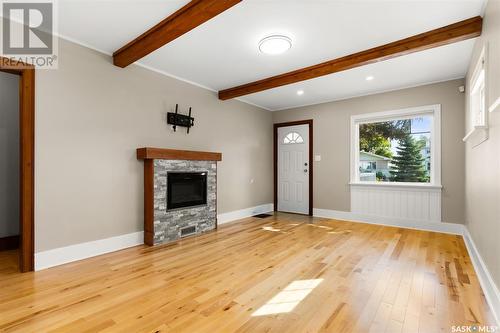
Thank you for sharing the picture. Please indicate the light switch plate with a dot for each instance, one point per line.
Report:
(317, 158)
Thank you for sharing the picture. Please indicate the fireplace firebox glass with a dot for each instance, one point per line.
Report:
(186, 189)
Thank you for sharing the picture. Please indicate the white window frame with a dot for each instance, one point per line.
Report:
(408, 113)
(478, 75)
(478, 78)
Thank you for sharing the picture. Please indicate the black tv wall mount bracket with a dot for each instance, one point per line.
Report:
(177, 119)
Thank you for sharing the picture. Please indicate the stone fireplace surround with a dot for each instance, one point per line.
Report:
(162, 225)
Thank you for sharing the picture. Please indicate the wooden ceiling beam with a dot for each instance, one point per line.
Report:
(453, 33)
(185, 19)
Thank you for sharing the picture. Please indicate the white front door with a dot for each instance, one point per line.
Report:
(293, 169)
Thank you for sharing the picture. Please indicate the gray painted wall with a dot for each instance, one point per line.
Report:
(9, 154)
(91, 116)
(482, 186)
(332, 135)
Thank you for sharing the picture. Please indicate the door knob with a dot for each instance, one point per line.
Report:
(305, 164)
(305, 170)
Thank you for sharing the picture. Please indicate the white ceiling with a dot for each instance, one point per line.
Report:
(223, 52)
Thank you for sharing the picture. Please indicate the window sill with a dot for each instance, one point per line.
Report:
(398, 185)
(495, 106)
(474, 130)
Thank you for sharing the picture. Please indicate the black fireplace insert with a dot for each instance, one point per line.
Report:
(186, 189)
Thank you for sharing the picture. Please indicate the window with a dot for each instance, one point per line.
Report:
(477, 95)
(394, 147)
(293, 137)
(367, 166)
(477, 124)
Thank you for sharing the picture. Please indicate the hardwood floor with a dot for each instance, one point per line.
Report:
(285, 273)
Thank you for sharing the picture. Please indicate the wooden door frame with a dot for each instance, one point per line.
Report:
(27, 159)
(275, 160)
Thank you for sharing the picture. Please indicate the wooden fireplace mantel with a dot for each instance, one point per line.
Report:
(148, 153)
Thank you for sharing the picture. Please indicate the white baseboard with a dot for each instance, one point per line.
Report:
(67, 254)
(448, 228)
(488, 285)
(243, 213)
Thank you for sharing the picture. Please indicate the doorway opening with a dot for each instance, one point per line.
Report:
(293, 167)
(26, 176)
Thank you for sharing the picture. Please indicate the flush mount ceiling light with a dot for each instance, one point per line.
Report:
(369, 78)
(275, 44)
(300, 92)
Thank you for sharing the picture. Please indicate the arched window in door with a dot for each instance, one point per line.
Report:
(292, 138)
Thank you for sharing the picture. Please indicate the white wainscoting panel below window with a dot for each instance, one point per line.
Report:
(397, 201)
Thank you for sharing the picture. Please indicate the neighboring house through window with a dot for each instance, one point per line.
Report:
(372, 166)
